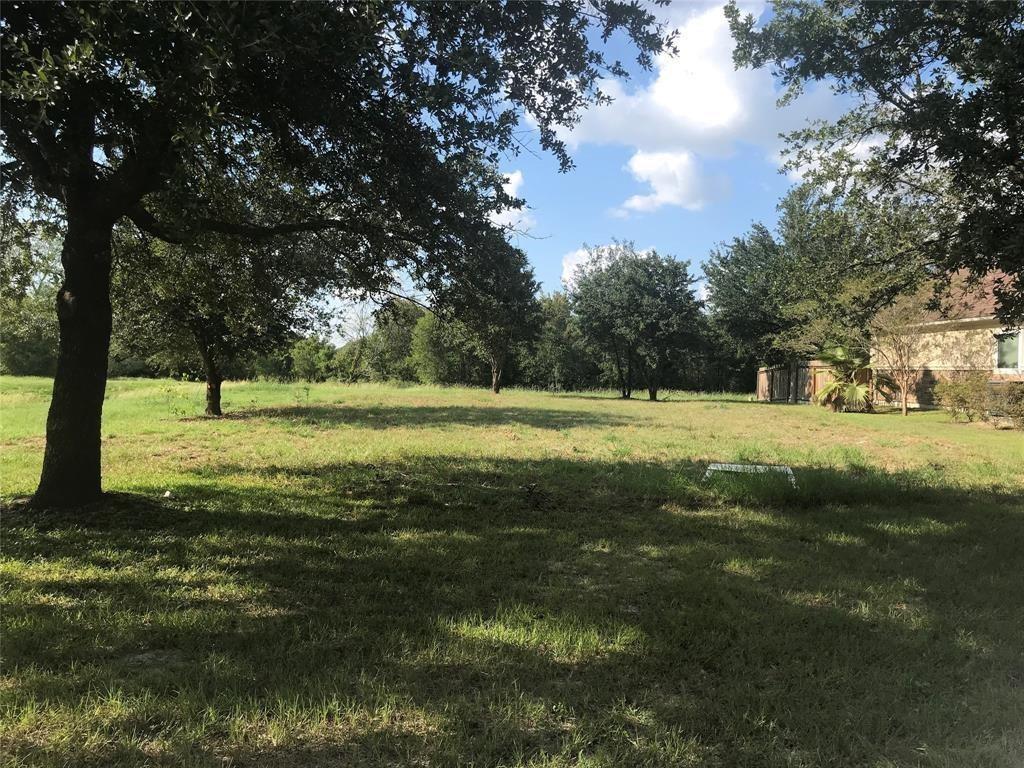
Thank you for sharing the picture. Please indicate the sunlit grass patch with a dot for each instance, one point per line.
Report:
(563, 638)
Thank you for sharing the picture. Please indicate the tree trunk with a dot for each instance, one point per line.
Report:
(619, 373)
(213, 395)
(357, 358)
(903, 399)
(652, 393)
(496, 370)
(71, 462)
(213, 378)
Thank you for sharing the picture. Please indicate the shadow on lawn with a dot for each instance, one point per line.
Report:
(450, 610)
(640, 396)
(385, 417)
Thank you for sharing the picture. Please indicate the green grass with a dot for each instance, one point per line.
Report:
(401, 576)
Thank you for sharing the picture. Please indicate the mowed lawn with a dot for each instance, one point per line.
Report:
(388, 576)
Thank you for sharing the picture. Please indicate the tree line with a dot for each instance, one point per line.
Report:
(630, 318)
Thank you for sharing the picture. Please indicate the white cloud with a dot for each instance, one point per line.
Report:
(674, 179)
(520, 220)
(570, 261)
(698, 105)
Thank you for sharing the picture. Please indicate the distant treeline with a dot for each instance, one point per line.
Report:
(409, 344)
(631, 320)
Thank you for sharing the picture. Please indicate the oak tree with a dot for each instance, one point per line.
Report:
(389, 119)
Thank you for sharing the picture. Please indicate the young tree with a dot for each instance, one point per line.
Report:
(497, 303)
(348, 358)
(939, 112)
(110, 110)
(312, 358)
(896, 341)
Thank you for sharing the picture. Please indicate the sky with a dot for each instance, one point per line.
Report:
(686, 156)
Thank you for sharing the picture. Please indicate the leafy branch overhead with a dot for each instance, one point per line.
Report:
(937, 115)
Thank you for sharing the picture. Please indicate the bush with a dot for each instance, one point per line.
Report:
(312, 359)
(968, 396)
(1008, 401)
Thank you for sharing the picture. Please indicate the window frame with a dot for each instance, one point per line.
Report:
(1019, 333)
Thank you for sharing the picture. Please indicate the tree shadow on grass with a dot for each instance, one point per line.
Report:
(386, 416)
(452, 610)
(665, 397)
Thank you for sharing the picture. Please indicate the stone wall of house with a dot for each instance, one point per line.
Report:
(960, 349)
(948, 354)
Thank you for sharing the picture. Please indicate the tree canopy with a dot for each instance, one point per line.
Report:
(496, 302)
(382, 123)
(226, 299)
(816, 282)
(938, 114)
(640, 310)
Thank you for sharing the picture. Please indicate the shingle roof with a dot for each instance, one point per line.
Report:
(967, 297)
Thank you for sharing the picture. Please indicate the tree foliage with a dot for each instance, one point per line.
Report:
(386, 355)
(444, 352)
(939, 114)
(748, 289)
(29, 275)
(559, 359)
(383, 123)
(496, 302)
(640, 310)
(847, 388)
(816, 282)
(312, 358)
(226, 299)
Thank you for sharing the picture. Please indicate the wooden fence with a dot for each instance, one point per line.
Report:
(792, 383)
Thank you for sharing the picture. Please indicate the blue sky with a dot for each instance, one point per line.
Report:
(685, 157)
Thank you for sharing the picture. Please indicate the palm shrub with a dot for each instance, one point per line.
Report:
(848, 389)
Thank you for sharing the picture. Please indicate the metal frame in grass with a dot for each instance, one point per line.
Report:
(752, 468)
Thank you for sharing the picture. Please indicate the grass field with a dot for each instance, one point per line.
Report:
(385, 576)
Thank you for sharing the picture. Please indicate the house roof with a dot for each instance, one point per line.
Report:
(967, 297)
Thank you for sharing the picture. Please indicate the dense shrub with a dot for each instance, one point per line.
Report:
(28, 339)
(312, 359)
(1008, 401)
(968, 396)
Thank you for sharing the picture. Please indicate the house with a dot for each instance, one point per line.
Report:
(963, 336)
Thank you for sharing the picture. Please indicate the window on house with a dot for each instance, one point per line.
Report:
(1008, 350)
